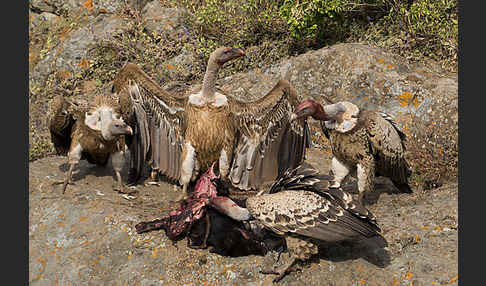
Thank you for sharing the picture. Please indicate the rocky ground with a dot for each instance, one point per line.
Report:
(87, 237)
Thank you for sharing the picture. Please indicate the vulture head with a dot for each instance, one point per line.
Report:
(104, 116)
(224, 54)
(341, 116)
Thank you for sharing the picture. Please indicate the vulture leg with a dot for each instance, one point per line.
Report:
(188, 162)
(224, 163)
(68, 180)
(118, 161)
(366, 174)
(74, 155)
(282, 270)
(339, 172)
(299, 249)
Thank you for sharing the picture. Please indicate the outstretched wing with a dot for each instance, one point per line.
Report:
(61, 115)
(156, 118)
(268, 143)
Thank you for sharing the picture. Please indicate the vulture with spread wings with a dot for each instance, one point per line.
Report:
(182, 135)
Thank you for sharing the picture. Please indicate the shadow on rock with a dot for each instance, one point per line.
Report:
(372, 250)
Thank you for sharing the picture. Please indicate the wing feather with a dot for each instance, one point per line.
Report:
(268, 143)
(387, 145)
(157, 117)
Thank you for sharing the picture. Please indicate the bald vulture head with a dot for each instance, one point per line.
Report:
(341, 116)
(104, 117)
(224, 54)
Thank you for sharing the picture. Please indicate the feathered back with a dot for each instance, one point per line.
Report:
(305, 177)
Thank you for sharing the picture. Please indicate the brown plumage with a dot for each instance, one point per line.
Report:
(366, 141)
(93, 132)
(182, 135)
(302, 208)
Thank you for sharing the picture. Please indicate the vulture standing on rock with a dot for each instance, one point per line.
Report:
(93, 132)
(302, 209)
(366, 141)
(181, 136)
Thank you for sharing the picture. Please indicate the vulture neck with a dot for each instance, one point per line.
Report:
(210, 77)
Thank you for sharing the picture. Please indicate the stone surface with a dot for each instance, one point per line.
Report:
(87, 237)
(364, 75)
(167, 22)
(70, 53)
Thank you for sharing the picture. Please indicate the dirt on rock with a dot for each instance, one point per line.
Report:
(87, 237)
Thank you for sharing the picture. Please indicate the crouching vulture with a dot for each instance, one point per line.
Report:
(363, 140)
(93, 131)
(182, 135)
(301, 208)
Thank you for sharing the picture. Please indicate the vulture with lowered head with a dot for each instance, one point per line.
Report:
(366, 141)
(302, 208)
(182, 135)
(94, 132)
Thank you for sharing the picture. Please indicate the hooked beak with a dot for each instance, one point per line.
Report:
(304, 112)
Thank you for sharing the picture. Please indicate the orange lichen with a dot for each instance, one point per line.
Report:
(88, 4)
(154, 252)
(380, 60)
(169, 66)
(84, 63)
(454, 279)
(403, 99)
(408, 276)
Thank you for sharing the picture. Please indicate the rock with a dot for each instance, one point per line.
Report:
(69, 55)
(87, 237)
(65, 7)
(364, 75)
(167, 22)
(44, 17)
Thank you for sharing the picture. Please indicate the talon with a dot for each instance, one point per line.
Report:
(281, 271)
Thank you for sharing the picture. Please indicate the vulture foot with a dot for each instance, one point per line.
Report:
(122, 189)
(64, 184)
(282, 270)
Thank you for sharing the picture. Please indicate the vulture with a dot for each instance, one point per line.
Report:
(180, 136)
(367, 141)
(93, 131)
(301, 208)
